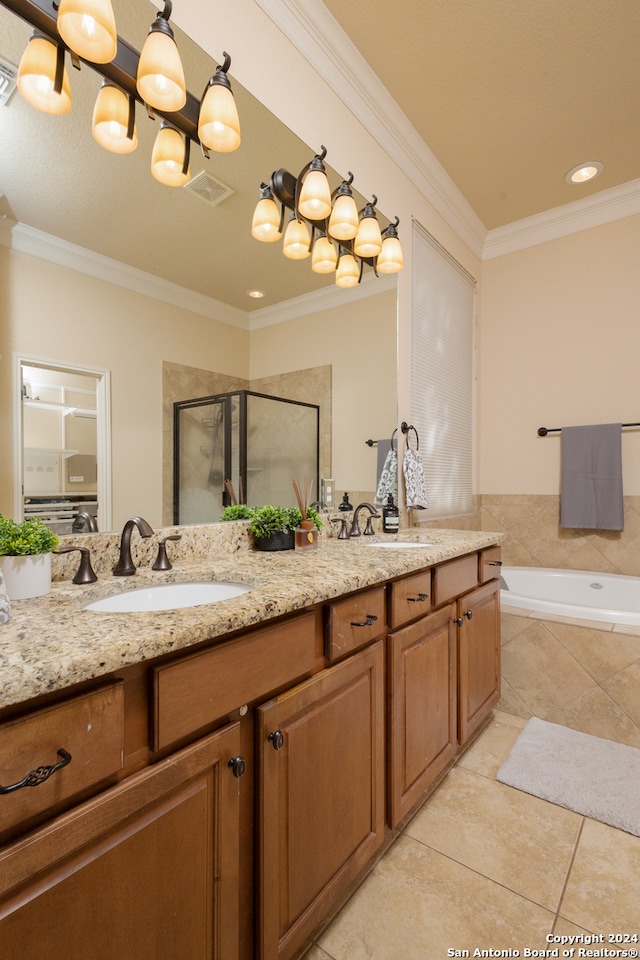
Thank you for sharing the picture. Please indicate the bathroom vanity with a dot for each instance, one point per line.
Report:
(237, 767)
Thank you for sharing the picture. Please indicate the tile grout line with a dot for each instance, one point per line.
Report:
(566, 879)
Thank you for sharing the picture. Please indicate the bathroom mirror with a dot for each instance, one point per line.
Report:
(179, 265)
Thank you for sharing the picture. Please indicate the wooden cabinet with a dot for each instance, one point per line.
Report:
(342, 728)
(423, 728)
(321, 796)
(145, 871)
(478, 615)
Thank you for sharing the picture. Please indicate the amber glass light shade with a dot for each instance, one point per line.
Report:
(324, 257)
(390, 259)
(36, 77)
(219, 123)
(368, 242)
(296, 241)
(314, 201)
(160, 80)
(168, 156)
(111, 120)
(265, 225)
(348, 272)
(88, 27)
(343, 223)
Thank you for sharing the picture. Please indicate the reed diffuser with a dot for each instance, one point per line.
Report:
(306, 535)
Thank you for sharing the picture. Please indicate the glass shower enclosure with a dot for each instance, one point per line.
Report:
(259, 443)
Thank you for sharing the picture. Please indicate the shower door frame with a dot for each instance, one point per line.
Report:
(225, 398)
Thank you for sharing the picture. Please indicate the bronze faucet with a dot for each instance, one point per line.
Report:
(368, 530)
(125, 567)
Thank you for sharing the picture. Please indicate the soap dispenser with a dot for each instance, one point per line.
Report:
(345, 505)
(390, 516)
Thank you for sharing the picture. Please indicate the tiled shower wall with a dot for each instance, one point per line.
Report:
(535, 538)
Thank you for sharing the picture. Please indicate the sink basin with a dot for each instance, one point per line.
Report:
(400, 544)
(168, 596)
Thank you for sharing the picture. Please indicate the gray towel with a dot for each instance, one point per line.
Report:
(592, 477)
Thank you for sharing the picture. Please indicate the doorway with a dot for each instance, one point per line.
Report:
(62, 445)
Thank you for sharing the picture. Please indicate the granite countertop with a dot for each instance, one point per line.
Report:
(52, 642)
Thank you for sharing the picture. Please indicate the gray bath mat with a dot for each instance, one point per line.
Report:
(594, 777)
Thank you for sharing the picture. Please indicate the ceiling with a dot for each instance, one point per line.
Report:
(510, 95)
(507, 95)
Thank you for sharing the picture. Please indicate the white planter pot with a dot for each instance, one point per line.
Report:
(27, 577)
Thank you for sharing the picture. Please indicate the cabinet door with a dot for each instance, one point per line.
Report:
(321, 813)
(423, 733)
(148, 870)
(479, 657)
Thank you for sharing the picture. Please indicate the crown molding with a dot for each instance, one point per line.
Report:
(322, 42)
(604, 207)
(43, 245)
(325, 299)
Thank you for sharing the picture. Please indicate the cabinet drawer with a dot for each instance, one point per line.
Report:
(454, 577)
(489, 564)
(355, 621)
(410, 598)
(206, 687)
(89, 727)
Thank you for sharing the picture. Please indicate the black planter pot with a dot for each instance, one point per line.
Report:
(277, 541)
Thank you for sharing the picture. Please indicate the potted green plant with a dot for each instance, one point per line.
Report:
(273, 527)
(25, 557)
(238, 511)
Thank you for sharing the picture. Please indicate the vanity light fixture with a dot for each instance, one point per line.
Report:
(43, 80)
(325, 225)
(266, 225)
(88, 27)
(297, 240)
(218, 121)
(154, 77)
(114, 116)
(160, 77)
(390, 259)
(584, 172)
(170, 156)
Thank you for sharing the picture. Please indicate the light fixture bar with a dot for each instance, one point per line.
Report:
(121, 71)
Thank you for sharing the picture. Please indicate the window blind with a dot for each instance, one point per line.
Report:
(442, 375)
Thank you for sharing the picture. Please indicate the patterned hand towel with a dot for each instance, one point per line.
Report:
(415, 486)
(388, 477)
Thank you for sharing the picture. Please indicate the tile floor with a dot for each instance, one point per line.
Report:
(483, 866)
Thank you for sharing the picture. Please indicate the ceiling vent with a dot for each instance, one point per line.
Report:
(211, 191)
(8, 80)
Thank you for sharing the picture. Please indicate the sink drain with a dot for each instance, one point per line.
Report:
(596, 586)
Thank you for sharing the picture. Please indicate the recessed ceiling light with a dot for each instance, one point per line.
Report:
(256, 294)
(584, 172)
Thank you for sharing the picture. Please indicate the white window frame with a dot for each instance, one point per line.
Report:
(443, 377)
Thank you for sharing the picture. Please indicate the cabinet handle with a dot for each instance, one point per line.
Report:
(458, 621)
(40, 774)
(237, 767)
(494, 563)
(419, 599)
(277, 739)
(366, 623)
(468, 614)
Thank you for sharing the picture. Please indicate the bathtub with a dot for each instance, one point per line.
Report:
(577, 594)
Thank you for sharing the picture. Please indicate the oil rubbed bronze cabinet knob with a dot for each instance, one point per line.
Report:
(237, 766)
(276, 739)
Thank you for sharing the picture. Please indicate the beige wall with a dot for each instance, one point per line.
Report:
(58, 314)
(559, 345)
(359, 341)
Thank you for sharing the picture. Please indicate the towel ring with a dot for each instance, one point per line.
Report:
(406, 428)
